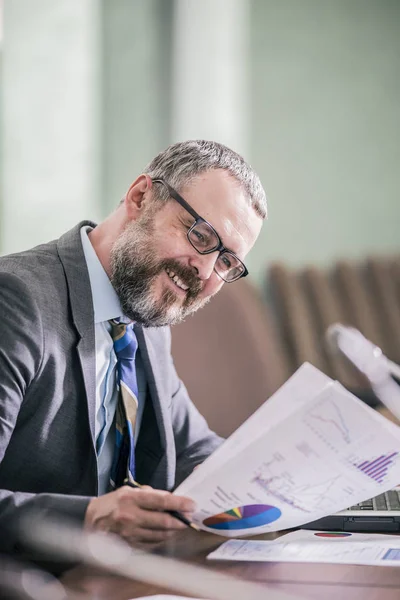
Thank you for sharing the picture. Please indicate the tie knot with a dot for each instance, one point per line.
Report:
(124, 338)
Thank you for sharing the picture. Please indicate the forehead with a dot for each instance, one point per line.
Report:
(217, 197)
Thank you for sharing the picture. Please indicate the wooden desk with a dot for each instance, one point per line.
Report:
(314, 581)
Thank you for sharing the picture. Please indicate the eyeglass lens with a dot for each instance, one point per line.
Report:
(204, 240)
(203, 237)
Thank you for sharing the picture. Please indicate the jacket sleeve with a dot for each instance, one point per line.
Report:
(21, 351)
(194, 440)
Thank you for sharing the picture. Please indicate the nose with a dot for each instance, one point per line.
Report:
(204, 264)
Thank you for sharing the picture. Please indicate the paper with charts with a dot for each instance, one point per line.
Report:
(379, 550)
(311, 450)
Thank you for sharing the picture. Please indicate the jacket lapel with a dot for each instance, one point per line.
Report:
(71, 254)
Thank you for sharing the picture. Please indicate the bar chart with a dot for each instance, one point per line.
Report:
(378, 468)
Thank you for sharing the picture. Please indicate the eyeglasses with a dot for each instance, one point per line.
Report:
(205, 240)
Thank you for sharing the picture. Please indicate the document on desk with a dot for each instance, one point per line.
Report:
(166, 597)
(306, 536)
(383, 552)
(311, 450)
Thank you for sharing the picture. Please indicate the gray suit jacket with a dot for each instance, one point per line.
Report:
(47, 391)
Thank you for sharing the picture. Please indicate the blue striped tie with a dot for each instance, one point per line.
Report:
(125, 346)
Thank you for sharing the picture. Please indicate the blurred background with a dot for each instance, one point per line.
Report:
(307, 90)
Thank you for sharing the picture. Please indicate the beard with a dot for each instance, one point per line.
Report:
(134, 269)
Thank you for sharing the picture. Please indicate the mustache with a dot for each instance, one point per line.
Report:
(185, 274)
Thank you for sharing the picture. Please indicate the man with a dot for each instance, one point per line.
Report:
(151, 263)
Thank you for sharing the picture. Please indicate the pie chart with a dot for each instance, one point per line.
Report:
(332, 534)
(244, 517)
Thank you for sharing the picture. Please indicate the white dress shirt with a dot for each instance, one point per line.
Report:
(106, 306)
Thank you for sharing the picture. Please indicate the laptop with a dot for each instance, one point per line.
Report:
(378, 515)
(382, 513)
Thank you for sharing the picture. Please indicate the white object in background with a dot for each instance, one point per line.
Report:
(370, 360)
(210, 54)
(108, 553)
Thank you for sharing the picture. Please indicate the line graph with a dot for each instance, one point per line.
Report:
(271, 485)
(305, 497)
(327, 421)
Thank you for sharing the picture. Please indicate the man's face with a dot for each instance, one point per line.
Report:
(159, 277)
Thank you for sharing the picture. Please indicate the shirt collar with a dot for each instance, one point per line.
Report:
(106, 304)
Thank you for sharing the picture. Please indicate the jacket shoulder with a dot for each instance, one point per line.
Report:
(33, 273)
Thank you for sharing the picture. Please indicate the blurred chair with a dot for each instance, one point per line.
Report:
(229, 356)
(295, 318)
(384, 286)
(364, 295)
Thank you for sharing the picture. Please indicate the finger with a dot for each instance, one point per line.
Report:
(131, 517)
(152, 519)
(160, 500)
(148, 536)
(130, 520)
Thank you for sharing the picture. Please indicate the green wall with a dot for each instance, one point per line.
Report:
(136, 45)
(324, 114)
(325, 133)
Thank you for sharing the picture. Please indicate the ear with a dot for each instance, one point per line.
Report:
(137, 197)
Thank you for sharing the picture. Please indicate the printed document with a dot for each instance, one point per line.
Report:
(311, 450)
(306, 536)
(165, 597)
(383, 550)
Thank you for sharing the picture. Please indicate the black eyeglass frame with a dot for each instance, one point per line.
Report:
(220, 248)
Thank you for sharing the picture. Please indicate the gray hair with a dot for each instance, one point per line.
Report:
(183, 161)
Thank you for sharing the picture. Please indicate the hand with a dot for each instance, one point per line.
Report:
(137, 515)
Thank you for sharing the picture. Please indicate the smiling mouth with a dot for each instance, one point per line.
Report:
(176, 280)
